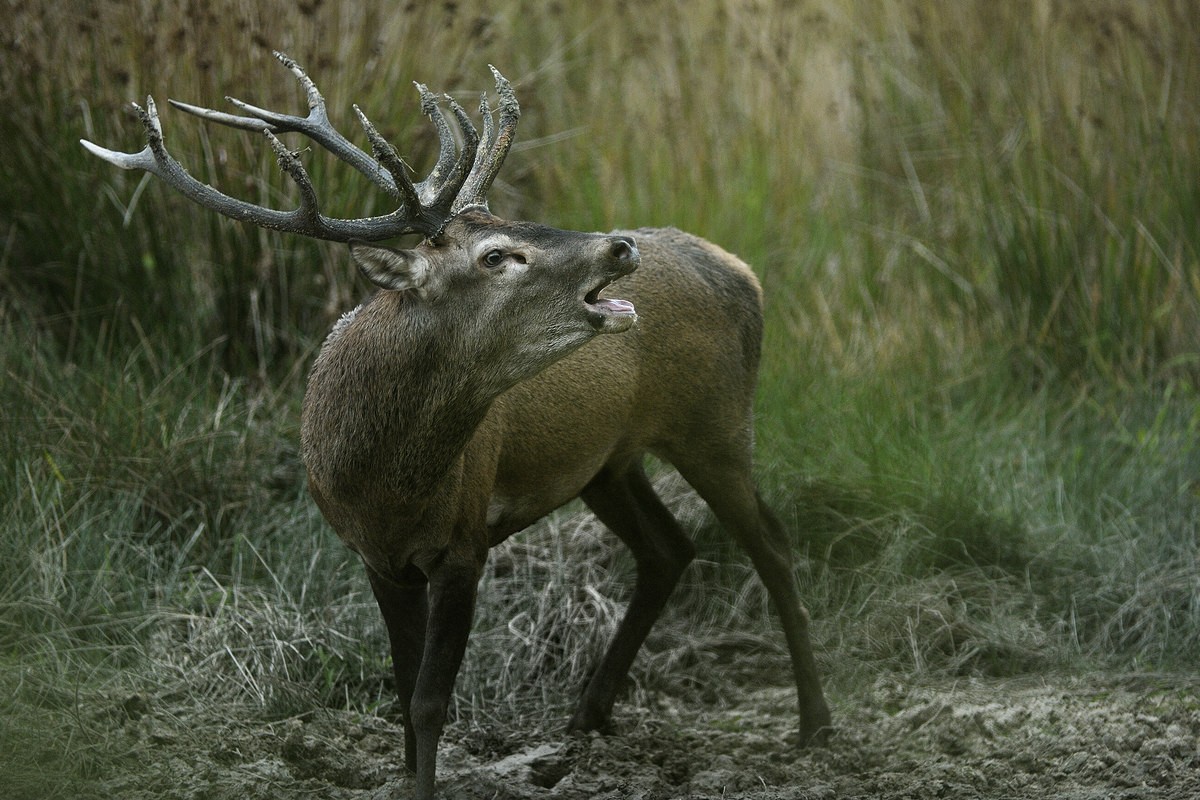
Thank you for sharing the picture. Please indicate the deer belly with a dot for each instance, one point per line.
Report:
(558, 429)
(528, 495)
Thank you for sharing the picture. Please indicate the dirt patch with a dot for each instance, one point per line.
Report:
(1127, 737)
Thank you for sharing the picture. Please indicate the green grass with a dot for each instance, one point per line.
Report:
(977, 235)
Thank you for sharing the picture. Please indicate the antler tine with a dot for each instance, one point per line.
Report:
(387, 156)
(315, 126)
(447, 150)
(290, 164)
(493, 147)
(446, 179)
(442, 193)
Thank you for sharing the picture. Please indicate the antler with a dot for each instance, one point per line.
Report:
(460, 178)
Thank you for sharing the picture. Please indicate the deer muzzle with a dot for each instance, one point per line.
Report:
(612, 314)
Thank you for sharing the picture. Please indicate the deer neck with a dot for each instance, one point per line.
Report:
(392, 403)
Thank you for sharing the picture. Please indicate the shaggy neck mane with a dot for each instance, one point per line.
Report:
(391, 408)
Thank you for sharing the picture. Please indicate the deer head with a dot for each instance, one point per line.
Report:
(513, 295)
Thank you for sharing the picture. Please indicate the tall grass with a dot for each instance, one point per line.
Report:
(1044, 177)
(976, 225)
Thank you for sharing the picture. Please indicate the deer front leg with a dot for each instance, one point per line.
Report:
(451, 608)
(403, 603)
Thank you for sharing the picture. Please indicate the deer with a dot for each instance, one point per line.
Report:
(500, 370)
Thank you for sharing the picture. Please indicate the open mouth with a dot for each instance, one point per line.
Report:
(609, 314)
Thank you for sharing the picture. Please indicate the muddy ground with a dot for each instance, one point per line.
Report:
(1080, 738)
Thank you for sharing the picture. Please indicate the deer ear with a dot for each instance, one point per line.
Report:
(398, 270)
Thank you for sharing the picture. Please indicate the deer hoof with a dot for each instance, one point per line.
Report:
(586, 720)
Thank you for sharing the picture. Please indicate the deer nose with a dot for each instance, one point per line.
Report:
(623, 249)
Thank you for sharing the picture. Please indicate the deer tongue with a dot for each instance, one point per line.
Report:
(612, 305)
(610, 315)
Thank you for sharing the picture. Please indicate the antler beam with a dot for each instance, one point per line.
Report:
(460, 178)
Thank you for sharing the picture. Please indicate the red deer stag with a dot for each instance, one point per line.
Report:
(474, 393)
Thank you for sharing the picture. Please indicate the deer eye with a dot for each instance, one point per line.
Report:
(493, 258)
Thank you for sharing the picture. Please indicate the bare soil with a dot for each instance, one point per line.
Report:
(1046, 737)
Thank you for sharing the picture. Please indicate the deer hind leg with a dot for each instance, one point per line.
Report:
(624, 500)
(728, 488)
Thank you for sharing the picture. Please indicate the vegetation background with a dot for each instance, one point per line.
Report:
(978, 226)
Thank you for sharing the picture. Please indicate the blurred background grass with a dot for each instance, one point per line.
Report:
(978, 226)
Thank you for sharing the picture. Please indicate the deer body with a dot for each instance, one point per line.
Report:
(675, 379)
(488, 382)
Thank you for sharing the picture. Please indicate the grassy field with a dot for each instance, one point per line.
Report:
(978, 226)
